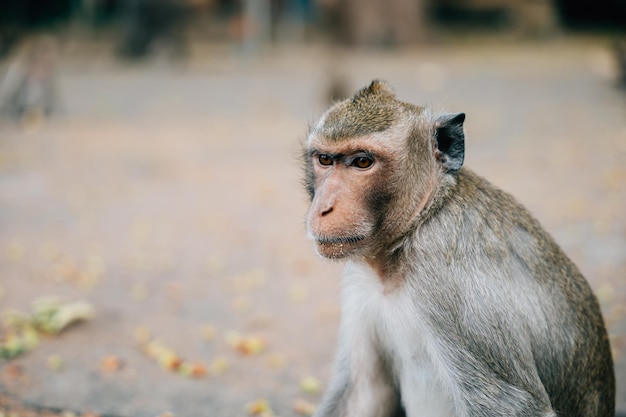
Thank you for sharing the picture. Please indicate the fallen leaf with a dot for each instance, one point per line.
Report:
(258, 407)
(52, 316)
(20, 338)
(198, 370)
(55, 362)
(304, 407)
(310, 385)
(170, 360)
(251, 345)
(184, 369)
(30, 337)
(111, 363)
(11, 346)
(219, 366)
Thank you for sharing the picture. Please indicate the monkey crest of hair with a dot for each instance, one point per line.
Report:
(455, 301)
(371, 109)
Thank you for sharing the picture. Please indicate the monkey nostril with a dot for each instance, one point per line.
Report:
(328, 210)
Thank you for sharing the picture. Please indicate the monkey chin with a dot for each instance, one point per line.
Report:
(339, 248)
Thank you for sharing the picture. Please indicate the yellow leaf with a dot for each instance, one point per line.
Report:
(260, 406)
(219, 366)
(55, 362)
(310, 385)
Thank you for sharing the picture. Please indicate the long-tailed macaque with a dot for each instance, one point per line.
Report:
(455, 301)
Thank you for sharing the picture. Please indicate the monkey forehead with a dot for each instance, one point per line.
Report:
(387, 142)
(361, 116)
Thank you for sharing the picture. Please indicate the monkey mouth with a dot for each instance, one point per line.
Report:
(348, 240)
(338, 246)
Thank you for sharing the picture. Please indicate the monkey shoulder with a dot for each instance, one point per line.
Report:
(491, 219)
(497, 252)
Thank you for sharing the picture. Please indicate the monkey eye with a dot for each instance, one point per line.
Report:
(362, 162)
(325, 159)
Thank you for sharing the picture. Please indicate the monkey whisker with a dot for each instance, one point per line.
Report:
(325, 240)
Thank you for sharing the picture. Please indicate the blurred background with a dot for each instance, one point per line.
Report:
(150, 182)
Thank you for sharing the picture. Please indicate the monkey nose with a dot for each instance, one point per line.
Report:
(327, 207)
(326, 211)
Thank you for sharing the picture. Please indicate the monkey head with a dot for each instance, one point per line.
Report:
(374, 166)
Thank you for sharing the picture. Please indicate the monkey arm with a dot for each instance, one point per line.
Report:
(496, 390)
(361, 385)
(359, 388)
(487, 370)
(335, 397)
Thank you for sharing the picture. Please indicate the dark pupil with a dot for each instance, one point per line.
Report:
(363, 162)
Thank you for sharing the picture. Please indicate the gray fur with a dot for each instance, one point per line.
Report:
(459, 303)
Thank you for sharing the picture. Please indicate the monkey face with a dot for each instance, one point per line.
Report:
(347, 195)
(372, 166)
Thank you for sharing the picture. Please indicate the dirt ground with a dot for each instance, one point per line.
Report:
(169, 197)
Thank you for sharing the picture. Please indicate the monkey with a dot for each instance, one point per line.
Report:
(455, 301)
(30, 86)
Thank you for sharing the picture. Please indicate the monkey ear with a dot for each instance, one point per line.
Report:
(450, 140)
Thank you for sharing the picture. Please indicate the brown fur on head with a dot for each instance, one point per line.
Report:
(375, 165)
(371, 109)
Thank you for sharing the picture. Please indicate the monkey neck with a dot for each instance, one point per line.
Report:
(389, 258)
(389, 268)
